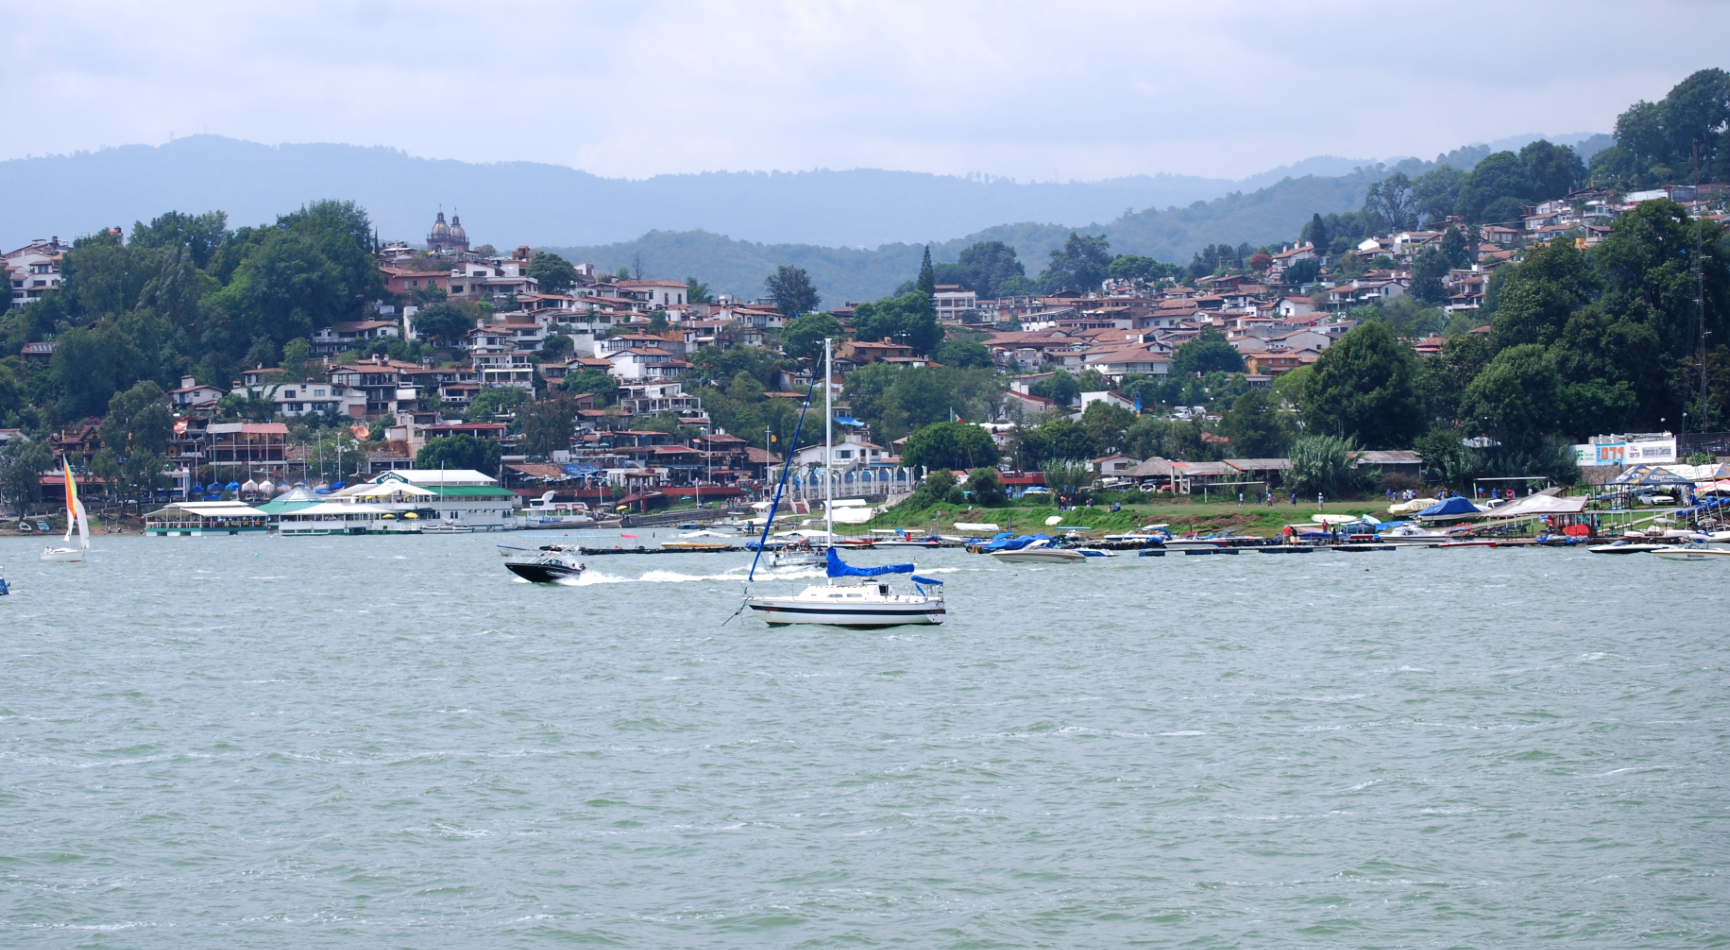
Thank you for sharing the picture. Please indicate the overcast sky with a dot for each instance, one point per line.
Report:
(1035, 91)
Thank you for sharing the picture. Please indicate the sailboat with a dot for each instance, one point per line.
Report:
(867, 601)
(74, 516)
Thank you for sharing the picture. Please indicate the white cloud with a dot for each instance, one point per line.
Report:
(1080, 90)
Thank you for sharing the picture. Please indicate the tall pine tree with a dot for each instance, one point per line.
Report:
(927, 282)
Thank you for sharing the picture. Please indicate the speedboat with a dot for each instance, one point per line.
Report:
(553, 564)
(1039, 551)
(1625, 546)
(1690, 552)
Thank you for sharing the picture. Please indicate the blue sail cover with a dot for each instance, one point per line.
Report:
(838, 569)
(1452, 506)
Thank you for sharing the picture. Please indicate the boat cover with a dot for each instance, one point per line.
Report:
(1533, 506)
(1452, 506)
(926, 580)
(839, 569)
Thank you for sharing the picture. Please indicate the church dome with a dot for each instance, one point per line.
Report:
(456, 231)
(440, 230)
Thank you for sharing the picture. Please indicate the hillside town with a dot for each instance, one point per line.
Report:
(1508, 321)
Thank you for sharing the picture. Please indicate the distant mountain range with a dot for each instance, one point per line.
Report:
(823, 220)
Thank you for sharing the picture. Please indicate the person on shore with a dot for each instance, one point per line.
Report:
(1240, 499)
(1294, 499)
(1321, 503)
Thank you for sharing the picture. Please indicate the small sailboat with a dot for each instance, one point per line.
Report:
(866, 602)
(74, 516)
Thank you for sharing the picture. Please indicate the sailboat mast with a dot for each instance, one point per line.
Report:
(828, 450)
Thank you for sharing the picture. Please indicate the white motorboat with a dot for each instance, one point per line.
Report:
(1626, 546)
(1691, 552)
(74, 516)
(1411, 534)
(850, 596)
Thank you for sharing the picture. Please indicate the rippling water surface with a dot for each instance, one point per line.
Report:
(388, 742)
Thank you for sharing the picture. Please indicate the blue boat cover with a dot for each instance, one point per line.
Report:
(838, 569)
(926, 580)
(1456, 505)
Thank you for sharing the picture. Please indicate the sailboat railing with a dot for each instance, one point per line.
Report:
(776, 503)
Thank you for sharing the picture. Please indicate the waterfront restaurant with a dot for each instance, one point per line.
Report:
(195, 518)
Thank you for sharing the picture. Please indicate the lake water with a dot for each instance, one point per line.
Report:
(389, 742)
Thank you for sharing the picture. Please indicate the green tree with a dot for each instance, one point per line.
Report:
(1207, 353)
(1393, 202)
(1515, 399)
(1322, 464)
(90, 366)
(1537, 297)
(985, 489)
(986, 265)
(199, 234)
(1500, 176)
(792, 290)
(554, 274)
(1060, 387)
(1454, 248)
(1316, 233)
(22, 463)
(697, 292)
(460, 452)
(556, 347)
(1054, 439)
(443, 322)
(1067, 476)
(1365, 389)
(549, 425)
(963, 354)
(910, 319)
(927, 280)
(803, 336)
(592, 381)
(1302, 272)
(1428, 270)
(1081, 264)
(492, 402)
(937, 488)
(953, 445)
(1552, 171)
(1257, 426)
(1437, 192)
(136, 430)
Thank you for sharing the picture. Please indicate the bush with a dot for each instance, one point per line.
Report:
(1323, 464)
(986, 488)
(938, 488)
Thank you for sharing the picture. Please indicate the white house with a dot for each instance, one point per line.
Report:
(851, 451)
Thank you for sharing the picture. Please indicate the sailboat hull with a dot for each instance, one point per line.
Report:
(62, 554)
(781, 611)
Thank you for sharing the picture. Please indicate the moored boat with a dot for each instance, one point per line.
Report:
(1691, 552)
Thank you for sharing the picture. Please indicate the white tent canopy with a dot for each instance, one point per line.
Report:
(1534, 506)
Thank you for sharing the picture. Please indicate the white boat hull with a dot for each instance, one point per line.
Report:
(1691, 554)
(850, 605)
(62, 554)
(1047, 555)
(789, 610)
